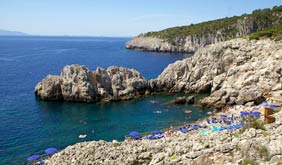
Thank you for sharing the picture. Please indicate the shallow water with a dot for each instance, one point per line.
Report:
(28, 125)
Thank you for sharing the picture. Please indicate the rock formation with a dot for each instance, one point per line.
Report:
(49, 88)
(264, 147)
(152, 44)
(235, 72)
(78, 83)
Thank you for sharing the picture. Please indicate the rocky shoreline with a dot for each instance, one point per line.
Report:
(239, 71)
(225, 147)
(234, 72)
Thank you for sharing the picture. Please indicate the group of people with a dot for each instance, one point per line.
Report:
(229, 116)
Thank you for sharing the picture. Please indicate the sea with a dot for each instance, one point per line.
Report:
(28, 125)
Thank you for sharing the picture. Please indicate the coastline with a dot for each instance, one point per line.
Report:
(212, 69)
(236, 72)
(218, 147)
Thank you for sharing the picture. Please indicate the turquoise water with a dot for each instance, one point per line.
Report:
(28, 125)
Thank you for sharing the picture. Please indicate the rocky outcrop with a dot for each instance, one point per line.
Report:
(224, 147)
(78, 83)
(182, 44)
(152, 44)
(235, 72)
(49, 88)
(126, 83)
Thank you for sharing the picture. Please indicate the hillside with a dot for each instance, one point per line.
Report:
(191, 38)
(11, 33)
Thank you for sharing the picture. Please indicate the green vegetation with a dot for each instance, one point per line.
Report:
(235, 134)
(279, 163)
(252, 122)
(263, 151)
(256, 124)
(274, 33)
(227, 28)
(249, 162)
(172, 157)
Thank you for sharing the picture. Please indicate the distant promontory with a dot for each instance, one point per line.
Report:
(11, 33)
(188, 39)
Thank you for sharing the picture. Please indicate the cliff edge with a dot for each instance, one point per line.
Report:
(188, 39)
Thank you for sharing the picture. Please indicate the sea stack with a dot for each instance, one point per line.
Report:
(79, 84)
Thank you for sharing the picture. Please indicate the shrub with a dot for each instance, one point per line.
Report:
(263, 152)
(255, 123)
(249, 162)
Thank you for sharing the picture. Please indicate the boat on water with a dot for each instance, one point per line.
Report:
(188, 111)
(82, 136)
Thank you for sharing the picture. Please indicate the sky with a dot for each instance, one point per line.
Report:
(116, 17)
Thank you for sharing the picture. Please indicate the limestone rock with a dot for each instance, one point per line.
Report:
(190, 100)
(78, 84)
(49, 88)
(235, 72)
(104, 83)
(126, 83)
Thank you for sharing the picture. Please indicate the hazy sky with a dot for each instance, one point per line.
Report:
(116, 17)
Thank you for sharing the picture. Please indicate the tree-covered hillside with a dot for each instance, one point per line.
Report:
(274, 33)
(226, 27)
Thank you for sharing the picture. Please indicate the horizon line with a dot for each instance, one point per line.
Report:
(35, 35)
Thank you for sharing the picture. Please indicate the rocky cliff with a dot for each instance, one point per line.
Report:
(234, 72)
(78, 83)
(226, 147)
(190, 38)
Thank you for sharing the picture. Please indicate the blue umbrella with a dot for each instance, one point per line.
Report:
(273, 106)
(265, 104)
(157, 132)
(33, 157)
(255, 113)
(51, 150)
(134, 134)
(223, 115)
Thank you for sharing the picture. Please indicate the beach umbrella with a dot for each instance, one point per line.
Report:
(33, 157)
(134, 134)
(265, 104)
(273, 106)
(255, 113)
(244, 114)
(157, 132)
(51, 150)
(223, 115)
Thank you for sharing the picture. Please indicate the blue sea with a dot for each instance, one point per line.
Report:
(28, 125)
